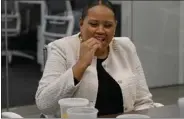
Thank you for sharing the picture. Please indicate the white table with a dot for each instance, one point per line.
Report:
(168, 111)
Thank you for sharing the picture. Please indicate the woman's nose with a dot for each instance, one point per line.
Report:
(100, 29)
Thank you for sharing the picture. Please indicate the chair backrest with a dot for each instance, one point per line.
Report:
(12, 6)
(56, 7)
(80, 4)
(59, 22)
(46, 52)
(12, 18)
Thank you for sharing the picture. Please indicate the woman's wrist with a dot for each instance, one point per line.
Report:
(79, 69)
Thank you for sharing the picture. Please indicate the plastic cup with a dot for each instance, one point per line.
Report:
(66, 103)
(82, 113)
(132, 116)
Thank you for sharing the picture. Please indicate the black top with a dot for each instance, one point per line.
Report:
(109, 97)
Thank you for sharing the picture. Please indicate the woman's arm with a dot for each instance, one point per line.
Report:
(57, 82)
(143, 95)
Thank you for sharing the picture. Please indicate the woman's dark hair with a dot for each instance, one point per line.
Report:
(93, 3)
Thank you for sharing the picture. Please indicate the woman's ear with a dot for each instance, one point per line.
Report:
(115, 27)
(116, 23)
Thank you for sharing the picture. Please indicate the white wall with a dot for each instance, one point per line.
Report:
(156, 36)
(126, 19)
(181, 60)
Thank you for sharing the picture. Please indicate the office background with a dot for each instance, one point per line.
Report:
(155, 27)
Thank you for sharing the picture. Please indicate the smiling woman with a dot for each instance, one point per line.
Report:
(100, 24)
(95, 65)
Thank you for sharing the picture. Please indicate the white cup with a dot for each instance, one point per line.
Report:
(66, 103)
(181, 106)
(82, 113)
(132, 116)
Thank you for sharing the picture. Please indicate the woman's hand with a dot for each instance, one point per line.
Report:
(88, 49)
(87, 52)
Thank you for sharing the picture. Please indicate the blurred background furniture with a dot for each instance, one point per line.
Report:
(13, 20)
(58, 22)
(77, 6)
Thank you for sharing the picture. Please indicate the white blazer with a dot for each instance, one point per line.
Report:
(122, 64)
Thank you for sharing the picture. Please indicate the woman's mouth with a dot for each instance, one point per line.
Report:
(100, 38)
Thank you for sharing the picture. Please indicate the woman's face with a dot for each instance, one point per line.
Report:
(100, 24)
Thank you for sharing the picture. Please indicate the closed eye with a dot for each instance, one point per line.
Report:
(94, 24)
(107, 25)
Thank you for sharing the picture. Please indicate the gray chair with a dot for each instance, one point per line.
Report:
(58, 22)
(10, 15)
(78, 5)
(58, 19)
(13, 18)
(46, 52)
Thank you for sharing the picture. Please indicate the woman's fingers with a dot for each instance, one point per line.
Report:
(91, 42)
(95, 47)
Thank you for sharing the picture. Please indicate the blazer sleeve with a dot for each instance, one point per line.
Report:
(56, 83)
(143, 95)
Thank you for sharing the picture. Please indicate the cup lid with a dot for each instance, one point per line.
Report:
(73, 102)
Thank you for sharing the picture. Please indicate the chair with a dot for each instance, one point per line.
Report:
(58, 22)
(10, 115)
(13, 18)
(10, 15)
(46, 52)
(78, 5)
(58, 19)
